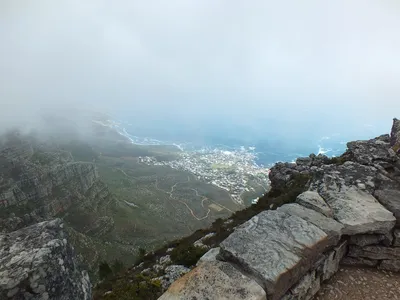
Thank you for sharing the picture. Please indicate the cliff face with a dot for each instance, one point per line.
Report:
(38, 262)
(350, 214)
(40, 182)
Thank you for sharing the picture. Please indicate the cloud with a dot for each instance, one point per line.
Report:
(291, 62)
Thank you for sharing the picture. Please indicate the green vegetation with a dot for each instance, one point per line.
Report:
(340, 160)
(117, 266)
(137, 288)
(104, 270)
(187, 255)
(41, 158)
(396, 148)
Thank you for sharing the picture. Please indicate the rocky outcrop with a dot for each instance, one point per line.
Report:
(395, 136)
(348, 215)
(39, 182)
(37, 262)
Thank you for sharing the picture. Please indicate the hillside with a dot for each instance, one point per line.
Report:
(320, 213)
(112, 204)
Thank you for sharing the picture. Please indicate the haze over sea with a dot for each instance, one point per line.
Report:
(269, 148)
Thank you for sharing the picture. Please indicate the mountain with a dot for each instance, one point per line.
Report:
(111, 204)
(319, 214)
(58, 217)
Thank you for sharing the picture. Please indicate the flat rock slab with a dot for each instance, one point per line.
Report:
(210, 255)
(358, 261)
(331, 227)
(276, 248)
(214, 281)
(375, 252)
(359, 212)
(314, 201)
(391, 200)
(390, 265)
(371, 239)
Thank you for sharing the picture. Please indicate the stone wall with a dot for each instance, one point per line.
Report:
(349, 215)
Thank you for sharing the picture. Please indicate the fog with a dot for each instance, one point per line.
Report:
(271, 67)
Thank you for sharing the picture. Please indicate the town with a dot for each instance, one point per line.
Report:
(234, 171)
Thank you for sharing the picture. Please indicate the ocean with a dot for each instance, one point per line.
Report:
(268, 150)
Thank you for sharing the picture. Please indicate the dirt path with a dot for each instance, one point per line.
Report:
(180, 201)
(361, 284)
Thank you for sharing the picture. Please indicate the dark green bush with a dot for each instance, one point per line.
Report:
(187, 255)
(104, 270)
(141, 288)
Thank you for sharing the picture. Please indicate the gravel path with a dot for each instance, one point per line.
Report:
(361, 284)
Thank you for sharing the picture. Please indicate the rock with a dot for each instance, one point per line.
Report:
(396, 241)
(370, 239)
(215, 281)
(390, 265)
(172, 273)
(390, 199)
(276, 248)
(371, 152)
(358, 261)
(308, 286)
(211, 255)
(331, 264)
(374, 252)
(199, 243)
(332, 228)
(395, 135)
(157, 268)
(357, 210)
(31, 268)
(301, 161)
(164, 260)
(313, 200)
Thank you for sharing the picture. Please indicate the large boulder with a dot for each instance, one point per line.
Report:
(276, 248)
(372, 152)
(215, 281)
(37, 262)
(347, 190)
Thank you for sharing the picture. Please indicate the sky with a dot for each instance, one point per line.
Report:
(268, 67)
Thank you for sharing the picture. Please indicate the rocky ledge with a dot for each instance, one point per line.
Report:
(37, 262)
(349, 215)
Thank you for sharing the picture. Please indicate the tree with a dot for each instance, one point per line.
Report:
(117, 266)
(104, 270)
(142, 253)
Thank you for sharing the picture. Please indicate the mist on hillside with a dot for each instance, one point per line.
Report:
(286, 71)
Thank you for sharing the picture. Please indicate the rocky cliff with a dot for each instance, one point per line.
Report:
(39, 182)
(349, 214)
(38, 262)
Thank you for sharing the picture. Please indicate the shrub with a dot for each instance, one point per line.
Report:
(117, 266)
(104, 270)
(396, 148)
(187, 255)
(141, 288)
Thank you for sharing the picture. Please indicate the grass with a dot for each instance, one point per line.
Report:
(396, 148)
